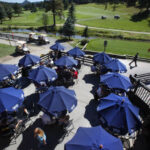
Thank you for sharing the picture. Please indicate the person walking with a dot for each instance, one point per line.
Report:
(41, 137)
(134, 59)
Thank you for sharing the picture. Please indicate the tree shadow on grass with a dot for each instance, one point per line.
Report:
(140, 16)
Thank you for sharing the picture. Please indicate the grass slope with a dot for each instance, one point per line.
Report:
(120, 47)
(87, 14)
(30, 19)
(90, 15)
(6, 50)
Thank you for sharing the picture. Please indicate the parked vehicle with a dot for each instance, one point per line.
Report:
(42, 39)
(33, 38)
(21, 48)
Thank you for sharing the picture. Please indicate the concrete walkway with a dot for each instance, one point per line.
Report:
(84, 114)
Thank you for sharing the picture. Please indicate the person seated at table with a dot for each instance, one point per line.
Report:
(25, 71)
(101, 91)
(79, 64)
(5, 83)
(63, 121)
(7, 128)
(47, 119)
(59, 54)
(74, 73)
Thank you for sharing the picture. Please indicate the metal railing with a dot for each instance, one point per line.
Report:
(13, 37)
(145, 78)
(141, 90)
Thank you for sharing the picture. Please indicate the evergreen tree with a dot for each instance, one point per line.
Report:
(66, 4)
(17, 9)
(9, 11)
(2, 13)
(68, 28)
(56, 6)
(72, 13)
(33, 8)
(45, 19)
(85, 32)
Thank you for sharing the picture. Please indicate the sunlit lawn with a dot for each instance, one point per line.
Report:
(122, 47)
(6, 50)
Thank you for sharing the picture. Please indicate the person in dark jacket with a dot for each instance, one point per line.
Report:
(134, 59)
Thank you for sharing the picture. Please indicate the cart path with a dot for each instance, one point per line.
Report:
(116, 30)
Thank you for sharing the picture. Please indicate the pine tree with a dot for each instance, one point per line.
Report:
(9, 12)
(66, 4)
(85, 32)
(72, 13)
(2, 13)
(17, 9)
(45, 19)
(68, 28)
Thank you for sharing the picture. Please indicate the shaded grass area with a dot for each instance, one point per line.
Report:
(121, 47)
(6, 50)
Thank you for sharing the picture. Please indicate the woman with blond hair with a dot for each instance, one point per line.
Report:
(40, 136)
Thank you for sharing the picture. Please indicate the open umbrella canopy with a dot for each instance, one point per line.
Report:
(7, 70)
(57, 47)
(95, 138)
(102, 58)
(116, 81)
(116, 66)
(66, 61)
(119, 114)
(42, 73)
(76, 52)
(29, 60)
(10, 99)
(58, 99)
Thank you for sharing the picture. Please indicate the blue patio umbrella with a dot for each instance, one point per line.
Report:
(95, 138)
(6, 70)
(58, 99)
(29, 60)
(66, 61)
(116, 66)
(102, 58)
(116, 81)
(10, 99)
(76, 52)
(119, 113)
(42, 73)
(57, 47)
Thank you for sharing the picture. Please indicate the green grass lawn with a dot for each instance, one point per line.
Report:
(31, 19)
(87, 14)
(6, 50)
(90, 14)
(122, 47)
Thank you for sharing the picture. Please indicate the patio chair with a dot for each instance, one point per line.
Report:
(67, 129)
(14, 133)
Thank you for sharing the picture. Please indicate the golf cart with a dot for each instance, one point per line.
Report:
(21, 48)
(42, 39)
(32, 38)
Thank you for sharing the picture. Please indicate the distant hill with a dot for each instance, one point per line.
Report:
(25, 2)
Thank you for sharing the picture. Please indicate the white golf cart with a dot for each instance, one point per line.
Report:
(32, 38)
(21, 48)
(42, 39)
